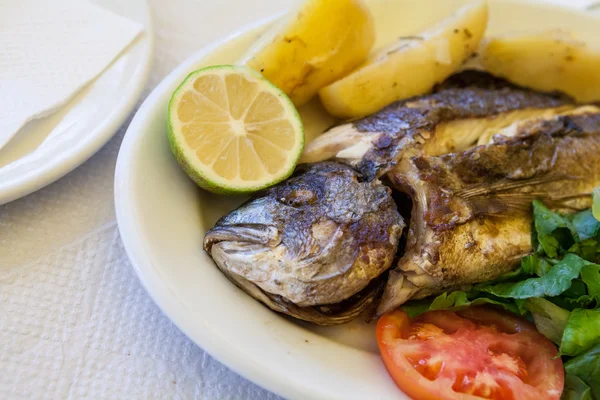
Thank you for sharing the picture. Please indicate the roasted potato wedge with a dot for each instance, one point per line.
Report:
(547, 61)
(409, 67)
(312, 47)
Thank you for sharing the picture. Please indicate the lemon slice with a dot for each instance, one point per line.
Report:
(232, 131)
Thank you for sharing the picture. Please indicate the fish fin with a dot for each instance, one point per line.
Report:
(503, 196)
(505, 186)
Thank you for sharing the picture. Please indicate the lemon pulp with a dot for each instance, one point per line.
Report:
(233, 131)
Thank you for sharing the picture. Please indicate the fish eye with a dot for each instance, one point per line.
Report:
(298, 197)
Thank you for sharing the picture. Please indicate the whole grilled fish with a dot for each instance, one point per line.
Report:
(471, 217)
(313, 246)
(462, 112)
(472, 156)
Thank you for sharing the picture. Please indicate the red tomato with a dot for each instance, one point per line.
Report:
(479, 353)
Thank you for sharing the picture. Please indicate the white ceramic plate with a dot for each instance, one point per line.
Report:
(163, 216)
(48, 148)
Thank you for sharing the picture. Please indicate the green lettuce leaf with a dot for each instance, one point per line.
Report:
(596, 204)
(550, 320)
(554, 231)
(586, 225)
(587, 368)
(581, 332)
(576, 389)
(456, 301)
(578, 288)
(587, 249)
(535, 265)
(558, 279)
(590, 275)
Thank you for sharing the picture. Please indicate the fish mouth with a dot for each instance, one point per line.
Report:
(251, 234)
(240, 249)
(252, 239)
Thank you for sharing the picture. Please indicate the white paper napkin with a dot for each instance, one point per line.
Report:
(49, 50)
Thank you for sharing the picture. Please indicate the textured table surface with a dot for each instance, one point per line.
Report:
(74, 320)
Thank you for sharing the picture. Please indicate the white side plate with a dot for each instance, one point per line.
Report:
(163, 216)
(48, 148)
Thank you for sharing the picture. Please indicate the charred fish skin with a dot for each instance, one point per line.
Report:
(471, 218)
(316, 239)
(434, 123)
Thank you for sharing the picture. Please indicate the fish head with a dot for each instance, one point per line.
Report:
(318, 238)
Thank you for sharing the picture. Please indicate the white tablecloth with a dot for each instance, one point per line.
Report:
(74, 320)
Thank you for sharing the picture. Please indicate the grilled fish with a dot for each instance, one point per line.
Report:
(464, 109)
(471, 217)
(313, 246)
(472, 156)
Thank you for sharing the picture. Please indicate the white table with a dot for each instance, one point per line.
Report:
(74, 320)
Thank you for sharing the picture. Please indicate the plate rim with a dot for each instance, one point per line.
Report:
(154, 287)
(99, 136)
(157, 290)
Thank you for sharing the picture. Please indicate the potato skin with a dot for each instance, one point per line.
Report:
(409, 67)
(322, 42)
(546, 61)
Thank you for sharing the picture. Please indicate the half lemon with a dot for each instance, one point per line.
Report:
(233, 131)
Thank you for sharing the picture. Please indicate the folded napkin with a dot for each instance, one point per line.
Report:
(49, 50)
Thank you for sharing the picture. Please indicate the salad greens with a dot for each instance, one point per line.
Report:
(558, 287)
(586, 367)
(596, 205)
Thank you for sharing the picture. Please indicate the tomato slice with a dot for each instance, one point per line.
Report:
(480, 353)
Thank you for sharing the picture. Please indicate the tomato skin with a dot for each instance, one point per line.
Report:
(443, 355)
(396, 325)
